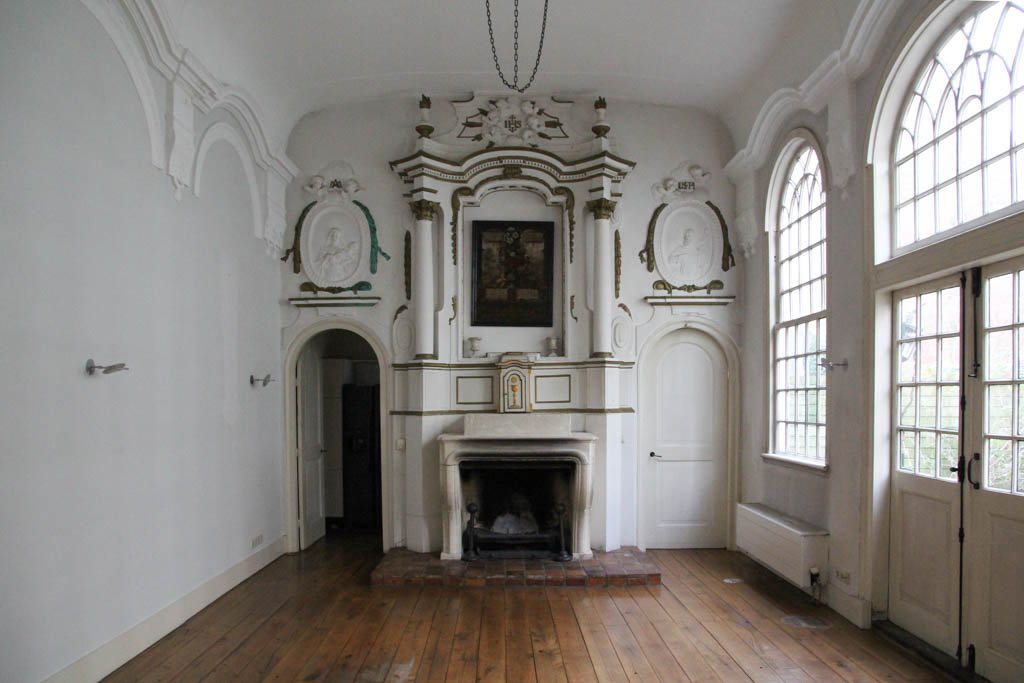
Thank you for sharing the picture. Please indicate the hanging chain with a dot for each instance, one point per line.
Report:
(514, 85)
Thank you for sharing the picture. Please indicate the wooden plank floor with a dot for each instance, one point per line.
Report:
(314, 617)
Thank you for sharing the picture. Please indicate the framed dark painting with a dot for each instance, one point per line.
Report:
(513, 273)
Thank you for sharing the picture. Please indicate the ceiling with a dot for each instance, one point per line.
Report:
(298, 56)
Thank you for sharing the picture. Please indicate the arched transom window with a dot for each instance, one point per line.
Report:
(799, 330)
(959, 149)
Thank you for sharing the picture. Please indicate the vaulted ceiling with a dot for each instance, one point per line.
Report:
(303, 55)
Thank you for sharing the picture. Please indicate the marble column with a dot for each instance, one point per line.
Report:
(601, 334)
(423, 277)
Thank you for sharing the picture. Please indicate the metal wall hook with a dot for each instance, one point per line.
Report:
(829, 365)
(91, 367)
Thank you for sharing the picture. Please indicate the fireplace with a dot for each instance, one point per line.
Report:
(517, 509)
(516, 485)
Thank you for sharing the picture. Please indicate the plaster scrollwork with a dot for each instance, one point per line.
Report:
(510, 122)
(336, 183)
(840, 147)
(686, 181)
(181, 135)
(746, 218)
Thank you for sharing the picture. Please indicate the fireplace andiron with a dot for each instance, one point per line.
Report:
(514, 545)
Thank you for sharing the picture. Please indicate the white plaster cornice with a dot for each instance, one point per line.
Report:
(840, 68)
(144, 36)
(177, 64)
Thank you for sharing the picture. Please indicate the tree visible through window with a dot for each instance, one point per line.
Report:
(800, 332)
(959, 149)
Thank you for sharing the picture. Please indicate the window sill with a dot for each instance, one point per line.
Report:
(812, 466)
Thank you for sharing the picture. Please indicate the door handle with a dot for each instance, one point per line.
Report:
(654, 455)
(974, 459)
(959, 469)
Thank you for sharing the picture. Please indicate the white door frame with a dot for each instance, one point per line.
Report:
(732, 419)
(291, 429)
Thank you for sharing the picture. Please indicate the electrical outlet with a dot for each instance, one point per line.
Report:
(842, 576)
(256, 541)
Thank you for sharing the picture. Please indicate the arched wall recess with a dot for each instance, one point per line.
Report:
(135, 62)
(223, 132)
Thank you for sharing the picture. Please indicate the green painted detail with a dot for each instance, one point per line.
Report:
(374, 244)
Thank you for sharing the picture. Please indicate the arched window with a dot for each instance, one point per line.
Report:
(799, 331)
(958, 151)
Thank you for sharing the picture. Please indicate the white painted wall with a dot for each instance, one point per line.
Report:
(119, 494)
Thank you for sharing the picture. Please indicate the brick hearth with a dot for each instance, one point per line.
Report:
(623, 567)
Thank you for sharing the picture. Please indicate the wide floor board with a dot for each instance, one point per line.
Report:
(315, 617)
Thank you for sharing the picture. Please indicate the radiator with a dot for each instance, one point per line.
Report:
(787, 546)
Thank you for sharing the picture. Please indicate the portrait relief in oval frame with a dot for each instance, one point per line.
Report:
(334, 245)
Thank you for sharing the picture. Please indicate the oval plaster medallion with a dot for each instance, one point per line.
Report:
(402, 335)
(333, 244)
(688, 243)
(622, 336)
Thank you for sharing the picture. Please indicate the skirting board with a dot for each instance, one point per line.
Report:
(857, 610)
(106, 658)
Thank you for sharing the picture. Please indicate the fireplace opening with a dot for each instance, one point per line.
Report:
(517, 509)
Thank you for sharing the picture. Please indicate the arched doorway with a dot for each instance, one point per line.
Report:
(687, 443)
(336, 405)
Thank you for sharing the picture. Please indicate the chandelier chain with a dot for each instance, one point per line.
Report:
(514, 85)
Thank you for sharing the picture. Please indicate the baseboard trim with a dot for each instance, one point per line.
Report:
(856, 610)
(108, 657)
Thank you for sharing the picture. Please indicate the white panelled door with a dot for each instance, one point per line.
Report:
(683, 466)
(930, 421)
(312, 522)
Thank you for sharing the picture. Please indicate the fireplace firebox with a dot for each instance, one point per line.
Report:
(517, 509)
(516, 486)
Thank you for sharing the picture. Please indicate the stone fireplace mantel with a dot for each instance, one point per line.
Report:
(521, 439)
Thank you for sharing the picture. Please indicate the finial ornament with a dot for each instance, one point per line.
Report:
(424, 128)
(600, 129)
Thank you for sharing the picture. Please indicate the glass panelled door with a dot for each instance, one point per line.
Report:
(995, 513)
(924, 552)
(958, 467)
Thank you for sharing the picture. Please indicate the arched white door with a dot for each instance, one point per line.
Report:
(684, 452)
